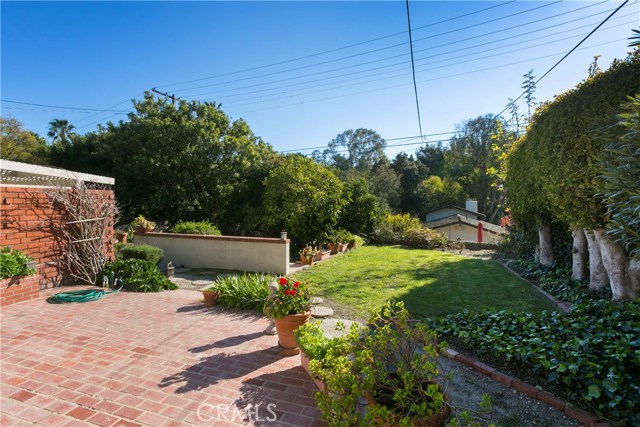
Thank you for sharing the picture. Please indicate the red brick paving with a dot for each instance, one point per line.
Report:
(146, 360)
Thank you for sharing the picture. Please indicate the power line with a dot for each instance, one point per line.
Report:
(566, 55)
(361, 82)
(61, 107)
(97, 114)
(335, 49)
(420, 81)
(413, 67)
(401, 55)
(392, 46)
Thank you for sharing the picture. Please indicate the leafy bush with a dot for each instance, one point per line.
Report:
(312, 340)
(13, 263)
(138, 275)
(393, 228)
(338, 236)
(356, 241)
(149, 253)
(117, 249)
(424, 238)
(141, 221)
(193, 227)
(244, 292)
(591, 354)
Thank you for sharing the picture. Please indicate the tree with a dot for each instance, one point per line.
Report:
(529, 86)
(362, 148)
(303, 198)
(60, 131)
(22, 145)
(362, 212)
(474, 160)
(411, 173)
(186, 161)
(432, 157)
(436, 192)
(385, 184)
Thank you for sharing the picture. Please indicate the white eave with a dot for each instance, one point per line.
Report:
(17, 173)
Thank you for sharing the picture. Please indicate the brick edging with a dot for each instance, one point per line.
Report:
(577, 414)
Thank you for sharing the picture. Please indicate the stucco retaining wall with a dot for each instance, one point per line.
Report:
(260, 255)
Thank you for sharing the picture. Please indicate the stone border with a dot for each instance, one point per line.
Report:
(577, 414)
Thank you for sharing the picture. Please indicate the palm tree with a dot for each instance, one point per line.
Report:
(60, 130)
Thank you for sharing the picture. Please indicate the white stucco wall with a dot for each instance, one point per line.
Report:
(467, 233)
(253, 254)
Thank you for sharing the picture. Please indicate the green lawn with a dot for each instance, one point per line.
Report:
(431, 283)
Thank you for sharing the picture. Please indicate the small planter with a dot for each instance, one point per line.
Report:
(121, 236)
(144, 230)
(334, 248)
(342, 247)
(322, 255)
(351, 245)
(210, 297)
(306, 261)
(304, 362)
(285, 327)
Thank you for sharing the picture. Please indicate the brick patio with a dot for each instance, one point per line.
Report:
(146, 359)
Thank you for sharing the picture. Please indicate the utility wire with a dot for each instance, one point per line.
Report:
(399, 73)
(566, 55)
(413, 68)
(404, 54)
(313, 65)
(60, 107)
(336, 49)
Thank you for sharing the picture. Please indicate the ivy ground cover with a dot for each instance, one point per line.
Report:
(431, 283)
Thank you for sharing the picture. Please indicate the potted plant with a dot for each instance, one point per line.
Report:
(143, 225)
(289, 307)
(211, 294)
(355, 242)
(388, 375)
(307, 255)
(121, 236)
(321, 255)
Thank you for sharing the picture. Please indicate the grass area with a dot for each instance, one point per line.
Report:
(431, 283)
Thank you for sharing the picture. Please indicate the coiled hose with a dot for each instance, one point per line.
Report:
(85, 295)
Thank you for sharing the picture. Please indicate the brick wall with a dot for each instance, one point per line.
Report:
(28, 223)
(18, 289)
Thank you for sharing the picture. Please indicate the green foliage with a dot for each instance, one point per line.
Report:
(589, 354)
(338, 236)
(620, 183)
(243, 292)
(117, 249)
(21, 145)
(425, 238)
(196, 227)
(141, 221)
(150, 253)
(356, 241)
(303, 198)
(436, 192)
(364, 148)
(293, 297)
(362, 212)
(393, 228)
(312, 340)
(394, 363)
(562, 145)
(137, 275)
(411, 173)
(13, 263)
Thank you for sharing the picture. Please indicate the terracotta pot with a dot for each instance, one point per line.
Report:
(322, 255)
(305, 261)
(351, 245)
(121, 236)
(304, 361)
(143, 230)
(342, 247)
(210, 297)
(285, 327)
(334, 248)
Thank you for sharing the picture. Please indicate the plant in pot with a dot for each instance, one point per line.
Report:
(210, 294)
(143, 225)
(307, 255)
(289, 307)
(121, 236)
(322, 254)
(388, 375)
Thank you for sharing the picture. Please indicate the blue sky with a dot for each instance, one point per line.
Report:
(98, 55)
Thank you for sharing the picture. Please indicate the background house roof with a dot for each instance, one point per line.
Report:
(455, 219)
(17, 173)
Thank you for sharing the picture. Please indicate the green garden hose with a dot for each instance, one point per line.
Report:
(78, 296)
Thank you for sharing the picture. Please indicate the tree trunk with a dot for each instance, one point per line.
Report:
(580, 254)
(616, 263)
(634, 275)
(546, 246)
(598, 278)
